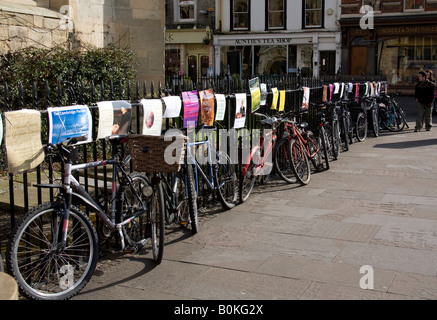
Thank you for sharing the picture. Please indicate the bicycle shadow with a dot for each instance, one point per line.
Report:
(407, 144)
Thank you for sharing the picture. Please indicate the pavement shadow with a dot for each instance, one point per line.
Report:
(407, 144)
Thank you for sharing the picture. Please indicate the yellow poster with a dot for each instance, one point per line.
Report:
(282, 100)
(24, 150)
(275, 98)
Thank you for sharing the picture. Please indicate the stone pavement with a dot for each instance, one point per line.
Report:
(376, 207)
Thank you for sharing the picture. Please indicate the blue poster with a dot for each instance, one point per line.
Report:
(67, 122)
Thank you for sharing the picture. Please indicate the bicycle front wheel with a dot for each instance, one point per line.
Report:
(282, 161)
(299, 163)
(324, 145)
(375, 121)
(247, 181)
(42, 268)
(156, 215)
(226, 181)
(336, 142)
(361, 127)
(187, 198)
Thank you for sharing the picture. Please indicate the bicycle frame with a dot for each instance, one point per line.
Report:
(259, 149)
(302, 141)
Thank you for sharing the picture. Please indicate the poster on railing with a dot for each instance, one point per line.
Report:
(152, 120)
(275, 98)
(325, 93)
(306, 98)
(221, 107)
(191, 108)
(207, 107)
(1, 130)
(24, 150)
(263, 88)
(172, 106)
(331, 91)
(282, 95)
(255, 93)
(240, 110)
(114, 118)
(68, 122)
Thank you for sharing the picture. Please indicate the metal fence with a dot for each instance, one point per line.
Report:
(45, 95)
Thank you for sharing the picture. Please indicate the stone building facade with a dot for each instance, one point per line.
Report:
(134, 24)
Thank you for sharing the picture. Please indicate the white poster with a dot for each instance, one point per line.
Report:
(221, 107)
(240, 110)
(172, 106)
(106, 119)
(152, 121)
(114, 118)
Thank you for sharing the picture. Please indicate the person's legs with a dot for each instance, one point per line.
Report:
(428, 118)
(419, 118)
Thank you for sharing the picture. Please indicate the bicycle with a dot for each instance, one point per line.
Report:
(302, 145)
(53, 251)
(359, 116)
(371, 106)
(392, 117)
(345, 120)
(256, 165)
(332, 127)
(220, 176)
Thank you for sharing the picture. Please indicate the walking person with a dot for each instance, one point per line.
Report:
(424, 95)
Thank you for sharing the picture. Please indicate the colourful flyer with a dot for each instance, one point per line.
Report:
(255, 93)
(240, 110)
(207, 107)
(191, 108)
(306, 98)
(281, 100)
(221, 107)
(275, 98)
(152, 121)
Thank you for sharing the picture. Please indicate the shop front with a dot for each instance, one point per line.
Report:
(281, 54)
(398, 52)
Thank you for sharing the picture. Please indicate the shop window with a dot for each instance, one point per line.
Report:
(172, 62)
(240, 14)
(276, 14)
(313, 13)
(402, 58)
(413, 5)
(185, 11)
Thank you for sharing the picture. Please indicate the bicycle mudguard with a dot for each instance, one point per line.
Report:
(246, 163)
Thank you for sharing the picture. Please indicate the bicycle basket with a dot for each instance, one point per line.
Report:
(153, 154)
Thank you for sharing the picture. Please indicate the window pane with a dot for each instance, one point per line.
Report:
(313, 13)
(187, 10)
(276, 13)
(241, 14)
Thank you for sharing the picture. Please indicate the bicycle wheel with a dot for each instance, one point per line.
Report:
(282, 161)
(375, 121)
(315, 151)
(156, 217)
(187, 198)
(247, 181)
(361, 126)
(43, 269)
(128, 205)
(226, 181)
(395, 122)
(335, 139)
(324, 145)
(299, 163)
(2, 269)
(344, 134)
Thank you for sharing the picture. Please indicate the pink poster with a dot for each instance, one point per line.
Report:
(191, 108)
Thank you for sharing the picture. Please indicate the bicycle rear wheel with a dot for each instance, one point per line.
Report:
(361, 126)
(156, 217)
(282, 161)
(324, 145)
(336, 142)
(43, 269)
(299, 163)
(187, 198)
(375, 121)
(226, 181)
(247, 181)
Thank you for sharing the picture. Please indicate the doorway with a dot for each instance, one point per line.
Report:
(197, 66)
(327, 62)
(358, 60)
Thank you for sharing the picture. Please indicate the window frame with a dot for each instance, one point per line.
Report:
(304, 11)
(177, 11)
(284, 17)
(414, 9)
(232, 2)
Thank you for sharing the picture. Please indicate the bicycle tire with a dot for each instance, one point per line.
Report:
(156, 217)
(315, 152)
(397, 123)
(361, 127)
(187, 198)
(335, 139)
(299, 163)
(226, 181)
(344, 132)
(43, 272)
(324, 145)
(247, 182)
(128, 204)
(2, 269)
(375, 122)
(282, 161)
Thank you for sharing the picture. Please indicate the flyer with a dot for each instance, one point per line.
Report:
(191, 108)
(240, 110)
(172, 106)
(152, 120)
(24, 150)
(275, 98)
(207, 107)
(221, 107)
(263, 88)
(282, 94)
(68, 122)
(255, 93)
(106, 119)
(306, 98)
